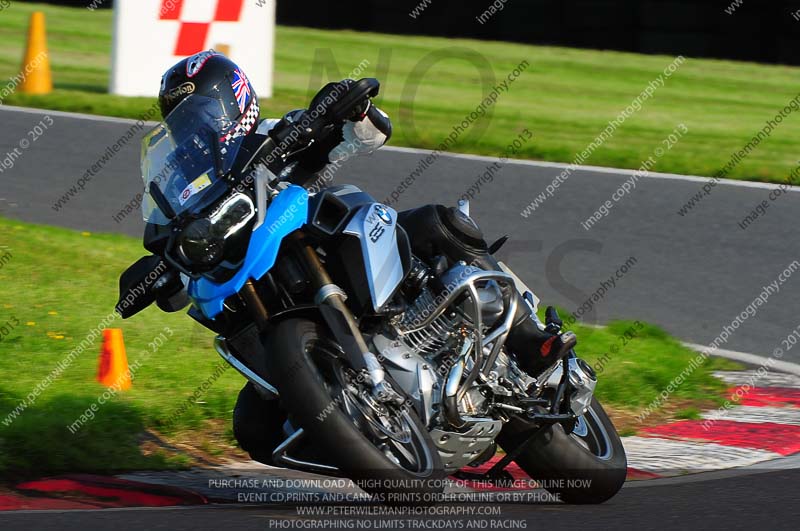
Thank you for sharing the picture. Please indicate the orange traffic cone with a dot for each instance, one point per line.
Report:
(36, 75)
(112, 371)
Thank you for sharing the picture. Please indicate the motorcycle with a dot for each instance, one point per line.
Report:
(373, 341)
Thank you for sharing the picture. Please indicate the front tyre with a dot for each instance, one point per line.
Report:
(385, 448)
(585, 466)
(257, 424)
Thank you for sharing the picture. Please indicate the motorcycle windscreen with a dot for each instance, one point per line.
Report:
(186, 158)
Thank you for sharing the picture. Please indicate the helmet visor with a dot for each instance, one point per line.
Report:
(186, 158)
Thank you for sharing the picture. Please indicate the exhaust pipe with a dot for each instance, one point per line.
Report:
(452, 385)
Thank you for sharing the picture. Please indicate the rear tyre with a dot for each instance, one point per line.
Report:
(384, 448)
(586, 466)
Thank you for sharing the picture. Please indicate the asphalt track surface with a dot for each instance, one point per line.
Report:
(762, 500)
(693, 275)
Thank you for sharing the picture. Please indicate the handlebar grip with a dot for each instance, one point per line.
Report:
(323, 116)
(362, 89)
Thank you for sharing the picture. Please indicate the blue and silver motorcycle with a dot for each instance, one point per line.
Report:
(372, 341)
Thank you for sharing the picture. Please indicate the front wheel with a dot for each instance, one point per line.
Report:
(585, 466)
(384, 447)
(257, 424)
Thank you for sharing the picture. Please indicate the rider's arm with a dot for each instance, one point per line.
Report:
(364, 132)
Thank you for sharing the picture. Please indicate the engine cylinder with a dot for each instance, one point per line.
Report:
(431, 339)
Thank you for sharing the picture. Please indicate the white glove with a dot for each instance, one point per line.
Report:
(360, 138)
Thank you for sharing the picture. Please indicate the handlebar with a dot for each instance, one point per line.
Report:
(356, 94)
(314, 122)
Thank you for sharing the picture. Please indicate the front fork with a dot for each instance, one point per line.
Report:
(329, 294)
(331, 300)
(255, 305)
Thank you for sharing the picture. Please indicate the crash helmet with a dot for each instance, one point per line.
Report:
(211, 74)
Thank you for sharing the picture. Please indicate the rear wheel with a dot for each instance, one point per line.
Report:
(384, 447)
(585, 466)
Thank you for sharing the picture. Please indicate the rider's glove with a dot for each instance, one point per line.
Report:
(362, 134)
(365, 130)
(328, 97)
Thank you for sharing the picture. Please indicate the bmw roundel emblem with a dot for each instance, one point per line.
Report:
(383, 213)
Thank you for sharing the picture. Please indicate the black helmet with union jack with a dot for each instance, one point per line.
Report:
(213, 75)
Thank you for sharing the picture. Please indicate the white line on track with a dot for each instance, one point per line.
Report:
(760, 378)
(752, 359)
(73, 115)
(658, 455)
(463, 156)
(595, 169)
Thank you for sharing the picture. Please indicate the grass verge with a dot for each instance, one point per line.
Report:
(57, 284)
(566, 97)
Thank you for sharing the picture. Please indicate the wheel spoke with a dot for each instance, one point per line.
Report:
(388, 428)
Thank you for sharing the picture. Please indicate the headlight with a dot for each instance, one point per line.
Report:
(199, 246)
(232, 215)
(202, 242)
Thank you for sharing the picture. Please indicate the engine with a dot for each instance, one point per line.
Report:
(431, 351)
(434, 338)
(447, 349)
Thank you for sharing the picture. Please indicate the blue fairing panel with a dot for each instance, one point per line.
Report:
(287, 213)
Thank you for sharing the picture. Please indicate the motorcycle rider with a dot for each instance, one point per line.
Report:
(210, 73)
(536, 346)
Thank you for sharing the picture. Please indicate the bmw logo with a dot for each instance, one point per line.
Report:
(383, 213)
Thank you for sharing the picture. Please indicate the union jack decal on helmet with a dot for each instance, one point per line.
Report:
(241, 87)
